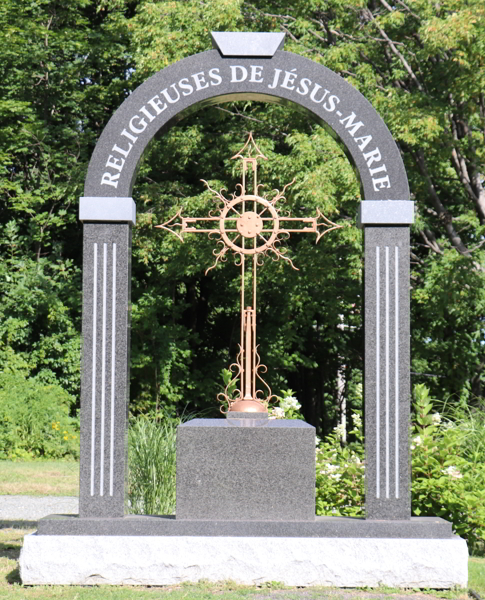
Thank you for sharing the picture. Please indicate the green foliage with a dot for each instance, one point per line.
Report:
(151, 457)
(165, 32)
(448, 469)
(39, 317)
(34, 419)
(66, 67)
(340, 470)
(299, 312)
(229, 384)
(62, 72)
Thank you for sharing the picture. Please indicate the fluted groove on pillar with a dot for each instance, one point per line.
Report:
(113, 371)
(396, 371)
(378, 370)
(93, 366)
(386, 377)
(104, 388)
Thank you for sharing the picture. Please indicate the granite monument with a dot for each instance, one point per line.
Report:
(279, 538)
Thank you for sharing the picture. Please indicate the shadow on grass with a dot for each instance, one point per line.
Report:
(13, 577)
(19, 524)
(10, 551)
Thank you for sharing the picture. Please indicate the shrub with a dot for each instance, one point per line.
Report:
(340, 473)
(151, 459)
(448, 470)
(34, 419)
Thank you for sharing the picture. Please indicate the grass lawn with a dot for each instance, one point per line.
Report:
(476, 575)
(39, 477)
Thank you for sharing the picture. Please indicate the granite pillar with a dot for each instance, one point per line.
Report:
(387, 372)
(105, 368)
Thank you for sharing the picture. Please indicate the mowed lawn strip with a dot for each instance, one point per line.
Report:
(476, 575)
(39, 478)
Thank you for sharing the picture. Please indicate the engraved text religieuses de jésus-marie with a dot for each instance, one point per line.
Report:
(348, 122)
(248, 225)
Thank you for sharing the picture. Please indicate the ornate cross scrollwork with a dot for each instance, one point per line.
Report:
(249, 225)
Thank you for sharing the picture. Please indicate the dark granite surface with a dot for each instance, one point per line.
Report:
(387, 372)
(227, 470)
(210, 78)
(161, 101)
(104, 388)
(340, 527)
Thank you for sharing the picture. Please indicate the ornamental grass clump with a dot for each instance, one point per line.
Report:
(151, 458)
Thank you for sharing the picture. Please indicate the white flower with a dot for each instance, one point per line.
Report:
(290, 402)
(340, 431)
(328, 469)
(277, 413)
(336, 476)
(448, 425)
(417, 441)
(357, 419)
(318, 441)
(436, 418)
(452, 472)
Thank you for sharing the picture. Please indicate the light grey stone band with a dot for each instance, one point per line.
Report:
(249, 416)
(247, 43)
(385, 212)
(141, 560)
(107, 209)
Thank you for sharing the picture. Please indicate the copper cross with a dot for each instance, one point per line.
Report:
(248, 224)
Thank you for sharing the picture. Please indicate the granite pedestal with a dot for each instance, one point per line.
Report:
(243, 469)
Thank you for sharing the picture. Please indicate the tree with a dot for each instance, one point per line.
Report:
(63, 71)
(66, 68)
(397, 56)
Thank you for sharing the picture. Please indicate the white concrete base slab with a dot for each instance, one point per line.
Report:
(147, 560)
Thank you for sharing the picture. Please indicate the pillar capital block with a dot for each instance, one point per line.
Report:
(385, 212)
(107, 210)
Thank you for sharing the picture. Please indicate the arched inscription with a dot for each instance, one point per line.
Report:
(208, 78)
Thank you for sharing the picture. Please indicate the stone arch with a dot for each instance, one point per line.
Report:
(244, 66)
(210, 78)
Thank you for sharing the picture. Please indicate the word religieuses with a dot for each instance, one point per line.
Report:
(254, 74)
